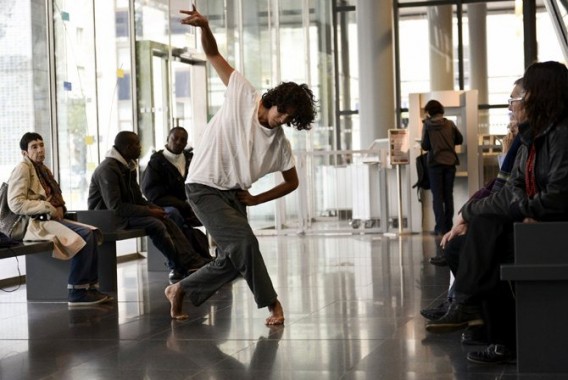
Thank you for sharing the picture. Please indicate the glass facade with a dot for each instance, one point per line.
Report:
(24, 79)
(76, 97)
(100, 67)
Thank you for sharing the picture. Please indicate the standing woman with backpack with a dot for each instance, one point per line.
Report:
(439, 138)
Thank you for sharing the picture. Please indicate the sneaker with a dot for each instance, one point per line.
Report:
(457, 317)
(474, 336)
(437, 312)
(84, 297)
(493, 354)
(95, 292)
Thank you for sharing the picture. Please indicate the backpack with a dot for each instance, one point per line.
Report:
(423, 181)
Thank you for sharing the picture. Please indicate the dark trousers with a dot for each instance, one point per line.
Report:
(169, 240)
(498, 310)
(196, 238)
(452, 252)
(238, 252)
(442, 187)
(488, 244)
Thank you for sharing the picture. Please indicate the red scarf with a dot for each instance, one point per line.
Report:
(530, 180)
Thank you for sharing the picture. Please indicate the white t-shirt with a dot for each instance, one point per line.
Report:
(235, 150)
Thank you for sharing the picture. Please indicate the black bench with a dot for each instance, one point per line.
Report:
(29, 249)
(26, 248)
(52, 274)
(540, 273)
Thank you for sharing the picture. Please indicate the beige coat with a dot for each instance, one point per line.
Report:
(26, 196)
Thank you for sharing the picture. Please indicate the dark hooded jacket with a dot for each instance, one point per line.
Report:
(114, 187)
(439, 138)
(163, 184)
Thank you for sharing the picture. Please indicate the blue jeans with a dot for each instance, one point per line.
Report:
(175, 216)
(238, 253)
(442, 187)
(84, 269)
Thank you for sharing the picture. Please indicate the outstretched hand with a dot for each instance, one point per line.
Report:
(194, 18)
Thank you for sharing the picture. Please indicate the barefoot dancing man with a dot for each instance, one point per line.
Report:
(243, 142)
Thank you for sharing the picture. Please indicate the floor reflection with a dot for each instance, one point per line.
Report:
(352, 312)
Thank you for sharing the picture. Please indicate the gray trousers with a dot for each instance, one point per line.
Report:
(238, 253)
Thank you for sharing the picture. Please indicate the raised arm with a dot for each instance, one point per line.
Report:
(219, 63)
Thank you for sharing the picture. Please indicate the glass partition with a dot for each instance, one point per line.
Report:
(24, 80)
(76, 97)
(285, 33)
(93, 89)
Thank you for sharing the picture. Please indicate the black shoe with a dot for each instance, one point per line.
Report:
(457, 317)
(95, 292)
(437, 312)
(439, 261)
(474, 336)
(176, 276)
(84, 297)
(493, 354)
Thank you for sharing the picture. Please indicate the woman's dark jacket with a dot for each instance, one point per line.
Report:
(439, 138)
(551, 176)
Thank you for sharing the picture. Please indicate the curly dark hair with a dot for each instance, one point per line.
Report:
(546, 94)
(298, 97)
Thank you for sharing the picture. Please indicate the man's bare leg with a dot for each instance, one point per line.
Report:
(276, 314)
(174, 294)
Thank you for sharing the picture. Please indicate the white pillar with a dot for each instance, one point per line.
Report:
(376, 69)
(441, 48)
(477, 25)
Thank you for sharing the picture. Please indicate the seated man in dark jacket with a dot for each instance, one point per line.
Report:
(163, 183)
(114, 187)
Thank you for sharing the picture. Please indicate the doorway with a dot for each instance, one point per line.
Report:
(171, 92)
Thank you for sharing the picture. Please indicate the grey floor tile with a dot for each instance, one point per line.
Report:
(352, 305)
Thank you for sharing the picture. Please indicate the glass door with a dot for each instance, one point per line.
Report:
(171, 91)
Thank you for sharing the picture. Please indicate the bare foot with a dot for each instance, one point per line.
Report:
(276, 314)
(174, 294)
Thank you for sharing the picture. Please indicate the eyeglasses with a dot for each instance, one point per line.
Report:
(518, 99)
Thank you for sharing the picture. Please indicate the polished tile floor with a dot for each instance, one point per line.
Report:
(352, 312)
